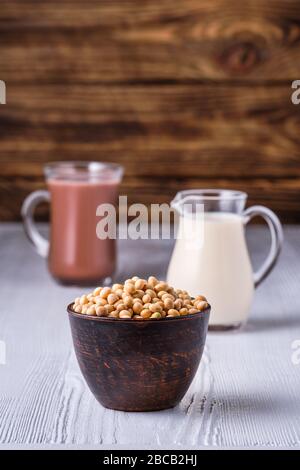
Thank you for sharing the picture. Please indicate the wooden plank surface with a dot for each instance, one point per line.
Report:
(108, 41)
(167, 137)
(280, 195)
(205, 130)
(183, 94)
(245, 394)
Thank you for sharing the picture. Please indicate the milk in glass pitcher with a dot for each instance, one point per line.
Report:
(218, 265)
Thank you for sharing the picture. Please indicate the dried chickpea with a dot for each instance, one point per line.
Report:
(84, 308)
(137, 307)
(147, 306)
(156, 315)
(173, 312)
(201, 297)
(146, 298)
(172, 292)
(119, 292)
(116, 287)
(201, 305)
(128, 301)
(145, 313)
(150, 292)
(140, 300)
(161, 293)
(105, 292)
(83, 300)
(167, 296)
(139, 294)
(155, 307)
(183, 311)
(161, 286)
(91, 310)
(140, 284)
(99, 301)
(129, 287)
(101, 311)
(109, 308)
(178, 304)
(125, 314)
(193, 310)
(168, 304)
(120, 307)
(112, 299)
(177, 314)
(113, 314)
(152, 281)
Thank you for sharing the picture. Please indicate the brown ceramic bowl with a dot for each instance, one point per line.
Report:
(144, 365)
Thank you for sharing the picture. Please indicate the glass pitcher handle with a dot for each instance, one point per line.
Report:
(40, 243)
(276, 239)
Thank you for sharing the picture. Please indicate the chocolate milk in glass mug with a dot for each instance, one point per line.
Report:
(218, 266)
(75, 190)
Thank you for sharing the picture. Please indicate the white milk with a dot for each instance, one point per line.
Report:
(217, 267)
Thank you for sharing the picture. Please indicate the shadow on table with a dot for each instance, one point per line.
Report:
(239, 405)
(272, 323)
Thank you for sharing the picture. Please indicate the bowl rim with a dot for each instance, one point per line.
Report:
(201, 313)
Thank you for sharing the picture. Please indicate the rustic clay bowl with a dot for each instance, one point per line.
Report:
(144, 365)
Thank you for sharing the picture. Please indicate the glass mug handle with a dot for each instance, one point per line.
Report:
(276, 231)
(40, 243)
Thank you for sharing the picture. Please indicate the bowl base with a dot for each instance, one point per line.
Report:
(233, 326)
(139, 410)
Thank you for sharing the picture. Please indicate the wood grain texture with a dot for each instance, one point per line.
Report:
(280, 195)
(180, 131)
(183, 94)
(90, 41)
(245, 394)
(167, 137)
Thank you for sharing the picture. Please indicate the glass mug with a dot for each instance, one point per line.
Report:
(218, 266)
(75, 189)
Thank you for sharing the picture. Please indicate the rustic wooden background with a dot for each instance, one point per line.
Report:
(185, 94)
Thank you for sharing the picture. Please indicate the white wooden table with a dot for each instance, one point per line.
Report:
(246, 392)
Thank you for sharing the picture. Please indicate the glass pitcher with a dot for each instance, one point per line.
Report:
(75, 254)
(218, 266)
